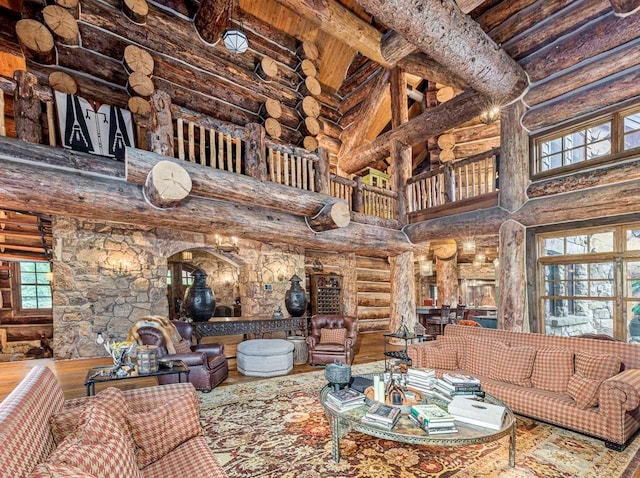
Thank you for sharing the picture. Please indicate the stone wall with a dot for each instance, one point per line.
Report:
(92, 295)
(222, 276)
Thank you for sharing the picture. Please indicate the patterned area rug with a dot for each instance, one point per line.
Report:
(277, 428)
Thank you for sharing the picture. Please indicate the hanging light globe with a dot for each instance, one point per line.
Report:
(235, 41)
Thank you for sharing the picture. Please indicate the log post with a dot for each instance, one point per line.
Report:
(27, 108)
(512, 278)
(322, 171)
(213, 17)
(333, 215)
(447, 280)
(401, 154)
(350, 285)
(255, 163)
(514, 158)
(357, 196)
(167, 185)
(160, 129)
(403, 292)
(449, 183)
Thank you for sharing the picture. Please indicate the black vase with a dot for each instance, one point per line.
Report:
(295, 299)
(199, 302)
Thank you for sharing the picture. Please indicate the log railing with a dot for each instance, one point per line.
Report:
(291, 166)
(365, 199)
(456, 181)
(209, 142)
(342, 188)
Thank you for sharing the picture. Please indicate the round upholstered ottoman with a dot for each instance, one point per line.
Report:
(264, 357)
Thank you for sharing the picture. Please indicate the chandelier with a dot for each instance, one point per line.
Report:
(225, 244)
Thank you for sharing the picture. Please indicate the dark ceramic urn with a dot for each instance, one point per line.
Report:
(295, 299)
(199, 302)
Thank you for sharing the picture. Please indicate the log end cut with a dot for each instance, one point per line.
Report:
(167, 185)
(333, 215)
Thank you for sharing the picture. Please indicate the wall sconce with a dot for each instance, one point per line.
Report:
(121, 268)
(100, 338)
(282, 276)
(469, 246)
(490, 116)
(227, 244)
(187, 255)
(426, 267)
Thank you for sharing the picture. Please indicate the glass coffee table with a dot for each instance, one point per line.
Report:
(406, 431)
(103, 375)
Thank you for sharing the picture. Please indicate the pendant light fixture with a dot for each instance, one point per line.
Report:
(235, 40)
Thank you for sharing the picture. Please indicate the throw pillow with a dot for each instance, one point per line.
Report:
(552, 369)
(584, 391)
(479, 355)
(513, 364)
(159, 431)
(597, 367)
(182, 347)
(591, 371)
(49, 470)
(97, 447)
(456, 345)
(333, 336)
(439, 358)
(111, 399)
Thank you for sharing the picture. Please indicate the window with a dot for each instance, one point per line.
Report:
(590, 282)
(35, 288)
(601, 139)
(186, 278)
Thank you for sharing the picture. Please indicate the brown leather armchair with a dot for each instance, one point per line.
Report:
(207, 362)
(329, 353)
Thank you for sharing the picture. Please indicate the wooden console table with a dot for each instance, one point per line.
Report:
(247, 325)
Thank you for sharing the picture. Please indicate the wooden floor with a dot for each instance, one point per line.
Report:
(72, 373)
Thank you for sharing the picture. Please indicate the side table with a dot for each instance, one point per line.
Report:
(402, 354)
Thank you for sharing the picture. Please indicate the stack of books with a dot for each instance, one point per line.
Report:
(381, 415)
(421, 379)
(345, 399)
(452, 385)
(433, 419)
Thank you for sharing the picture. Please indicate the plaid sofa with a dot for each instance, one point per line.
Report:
(616, 417)
(26, 437)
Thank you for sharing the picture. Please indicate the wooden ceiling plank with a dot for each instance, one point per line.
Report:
(597, 37)
(8, 256)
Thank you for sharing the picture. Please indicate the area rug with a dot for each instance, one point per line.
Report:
(277, 428)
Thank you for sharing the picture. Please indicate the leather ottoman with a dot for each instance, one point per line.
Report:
(264, 357)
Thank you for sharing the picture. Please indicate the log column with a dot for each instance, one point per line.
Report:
(401, 157)
(350, 285)
(255, 161)
(514, 179)
(27, 108)
(160, 128)
(447, 280)
(512, 279)
(403, 292)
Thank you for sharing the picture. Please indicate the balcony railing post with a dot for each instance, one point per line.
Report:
(255, 160)
(449, 183)
(27, 108)
(160, 125)
(357, 201)
(322, 172)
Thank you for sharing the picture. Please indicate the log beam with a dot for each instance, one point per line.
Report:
(42, 190)
(394, 47)
(333, 215)
(432, 122)
(421, 65)
(217, 184)
(355, 134)
(167, 185)
(444, 33)
(625, 7)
